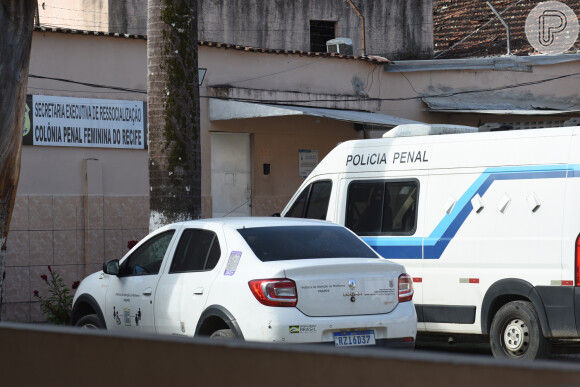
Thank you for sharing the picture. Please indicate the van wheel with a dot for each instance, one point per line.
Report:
(223, 334)
(90, 321)
(516, 333)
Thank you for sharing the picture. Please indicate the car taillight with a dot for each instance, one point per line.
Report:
(577, 263)
(275, 291)
(405, 288)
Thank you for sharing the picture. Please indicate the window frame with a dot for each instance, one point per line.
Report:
(308, 202)
(385, 183)
(318, 26)
(123, 268)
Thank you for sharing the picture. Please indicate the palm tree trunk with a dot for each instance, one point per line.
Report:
(173, 112)
(16, 25)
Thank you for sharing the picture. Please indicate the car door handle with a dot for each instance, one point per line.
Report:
(147, 292)
(198, 291)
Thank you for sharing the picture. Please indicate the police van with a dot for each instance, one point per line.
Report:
(486, 223)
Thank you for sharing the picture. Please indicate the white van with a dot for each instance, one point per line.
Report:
(486, 223)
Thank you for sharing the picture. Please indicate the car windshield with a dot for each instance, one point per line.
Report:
(304, 242)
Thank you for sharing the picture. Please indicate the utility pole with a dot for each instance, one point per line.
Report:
(173, 112)
(16, 25)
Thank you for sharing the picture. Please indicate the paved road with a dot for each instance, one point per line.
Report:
(463, 346)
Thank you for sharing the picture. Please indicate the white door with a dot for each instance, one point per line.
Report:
(183, 289)
(131, 294)
(231, 176)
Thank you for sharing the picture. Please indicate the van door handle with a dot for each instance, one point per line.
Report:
(147, 292)
(198, 291)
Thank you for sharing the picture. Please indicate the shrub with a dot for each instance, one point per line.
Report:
(57, 305)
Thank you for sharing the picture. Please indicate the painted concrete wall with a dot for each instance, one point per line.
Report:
(394, 29)
(75, 207)
(102, 358)
(276, 142)
(125, 17)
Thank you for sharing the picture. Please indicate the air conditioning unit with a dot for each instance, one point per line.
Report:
(339, 46)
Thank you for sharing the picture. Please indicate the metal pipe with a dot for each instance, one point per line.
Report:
(362, 19)
(507, 28)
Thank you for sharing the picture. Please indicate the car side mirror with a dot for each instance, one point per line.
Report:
(111, 267)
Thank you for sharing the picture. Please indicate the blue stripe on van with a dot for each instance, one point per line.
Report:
(433, 246)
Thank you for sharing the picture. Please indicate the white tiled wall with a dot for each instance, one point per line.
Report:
(54, 230)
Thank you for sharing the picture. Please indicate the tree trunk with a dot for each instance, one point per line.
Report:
(173, 112)
(16, 25)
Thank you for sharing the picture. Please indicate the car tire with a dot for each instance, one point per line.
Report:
(90, 321)
(223, 334)
(516, 333)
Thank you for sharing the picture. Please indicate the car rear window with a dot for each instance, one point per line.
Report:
(304, 242)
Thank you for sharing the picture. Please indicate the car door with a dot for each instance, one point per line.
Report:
(131, 294)
(183, 291)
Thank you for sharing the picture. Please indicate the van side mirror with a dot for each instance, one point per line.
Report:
(111, 267)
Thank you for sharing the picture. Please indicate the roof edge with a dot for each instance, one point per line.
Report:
(506, 62)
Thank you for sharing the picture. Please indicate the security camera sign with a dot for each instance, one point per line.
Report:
(552, 27)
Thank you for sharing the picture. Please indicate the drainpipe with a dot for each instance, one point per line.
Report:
(362, 21)
(507, 28)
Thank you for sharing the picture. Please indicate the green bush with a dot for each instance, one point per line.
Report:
(57, 305)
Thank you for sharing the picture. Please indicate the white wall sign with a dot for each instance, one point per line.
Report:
(85, 122)
(307, 161)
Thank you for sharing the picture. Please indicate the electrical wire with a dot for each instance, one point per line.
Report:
(281, 101)
(124, 89)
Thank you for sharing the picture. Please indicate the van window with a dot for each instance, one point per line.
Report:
(312, 203)
(382, 207)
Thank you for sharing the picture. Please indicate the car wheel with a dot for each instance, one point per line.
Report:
(226, 334)
(90, 321)
(516, 333)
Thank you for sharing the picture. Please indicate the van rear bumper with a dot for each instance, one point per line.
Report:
(562, 307)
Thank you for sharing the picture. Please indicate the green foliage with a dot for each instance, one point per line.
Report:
(57, 305)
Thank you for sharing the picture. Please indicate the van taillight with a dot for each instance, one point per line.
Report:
(405, 288)
(275, 291)
(577, 263)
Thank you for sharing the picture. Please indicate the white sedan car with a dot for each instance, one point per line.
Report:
(256, 279)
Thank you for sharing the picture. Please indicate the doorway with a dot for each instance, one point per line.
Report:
(231, 175)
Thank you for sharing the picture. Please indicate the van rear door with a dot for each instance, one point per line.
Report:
(384, 210)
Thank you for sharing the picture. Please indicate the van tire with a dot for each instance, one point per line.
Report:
(223, 334)
(516, 333)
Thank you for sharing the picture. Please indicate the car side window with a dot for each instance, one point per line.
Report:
(312, 203)
(382, 207)
(197, 250)
(148, 257)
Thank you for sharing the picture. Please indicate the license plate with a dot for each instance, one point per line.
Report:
(354, 338)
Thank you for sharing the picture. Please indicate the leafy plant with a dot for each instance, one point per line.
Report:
(57, 305)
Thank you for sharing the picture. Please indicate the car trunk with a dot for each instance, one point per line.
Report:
(344, 288)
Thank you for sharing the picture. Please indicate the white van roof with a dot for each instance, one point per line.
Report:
(409, 130)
